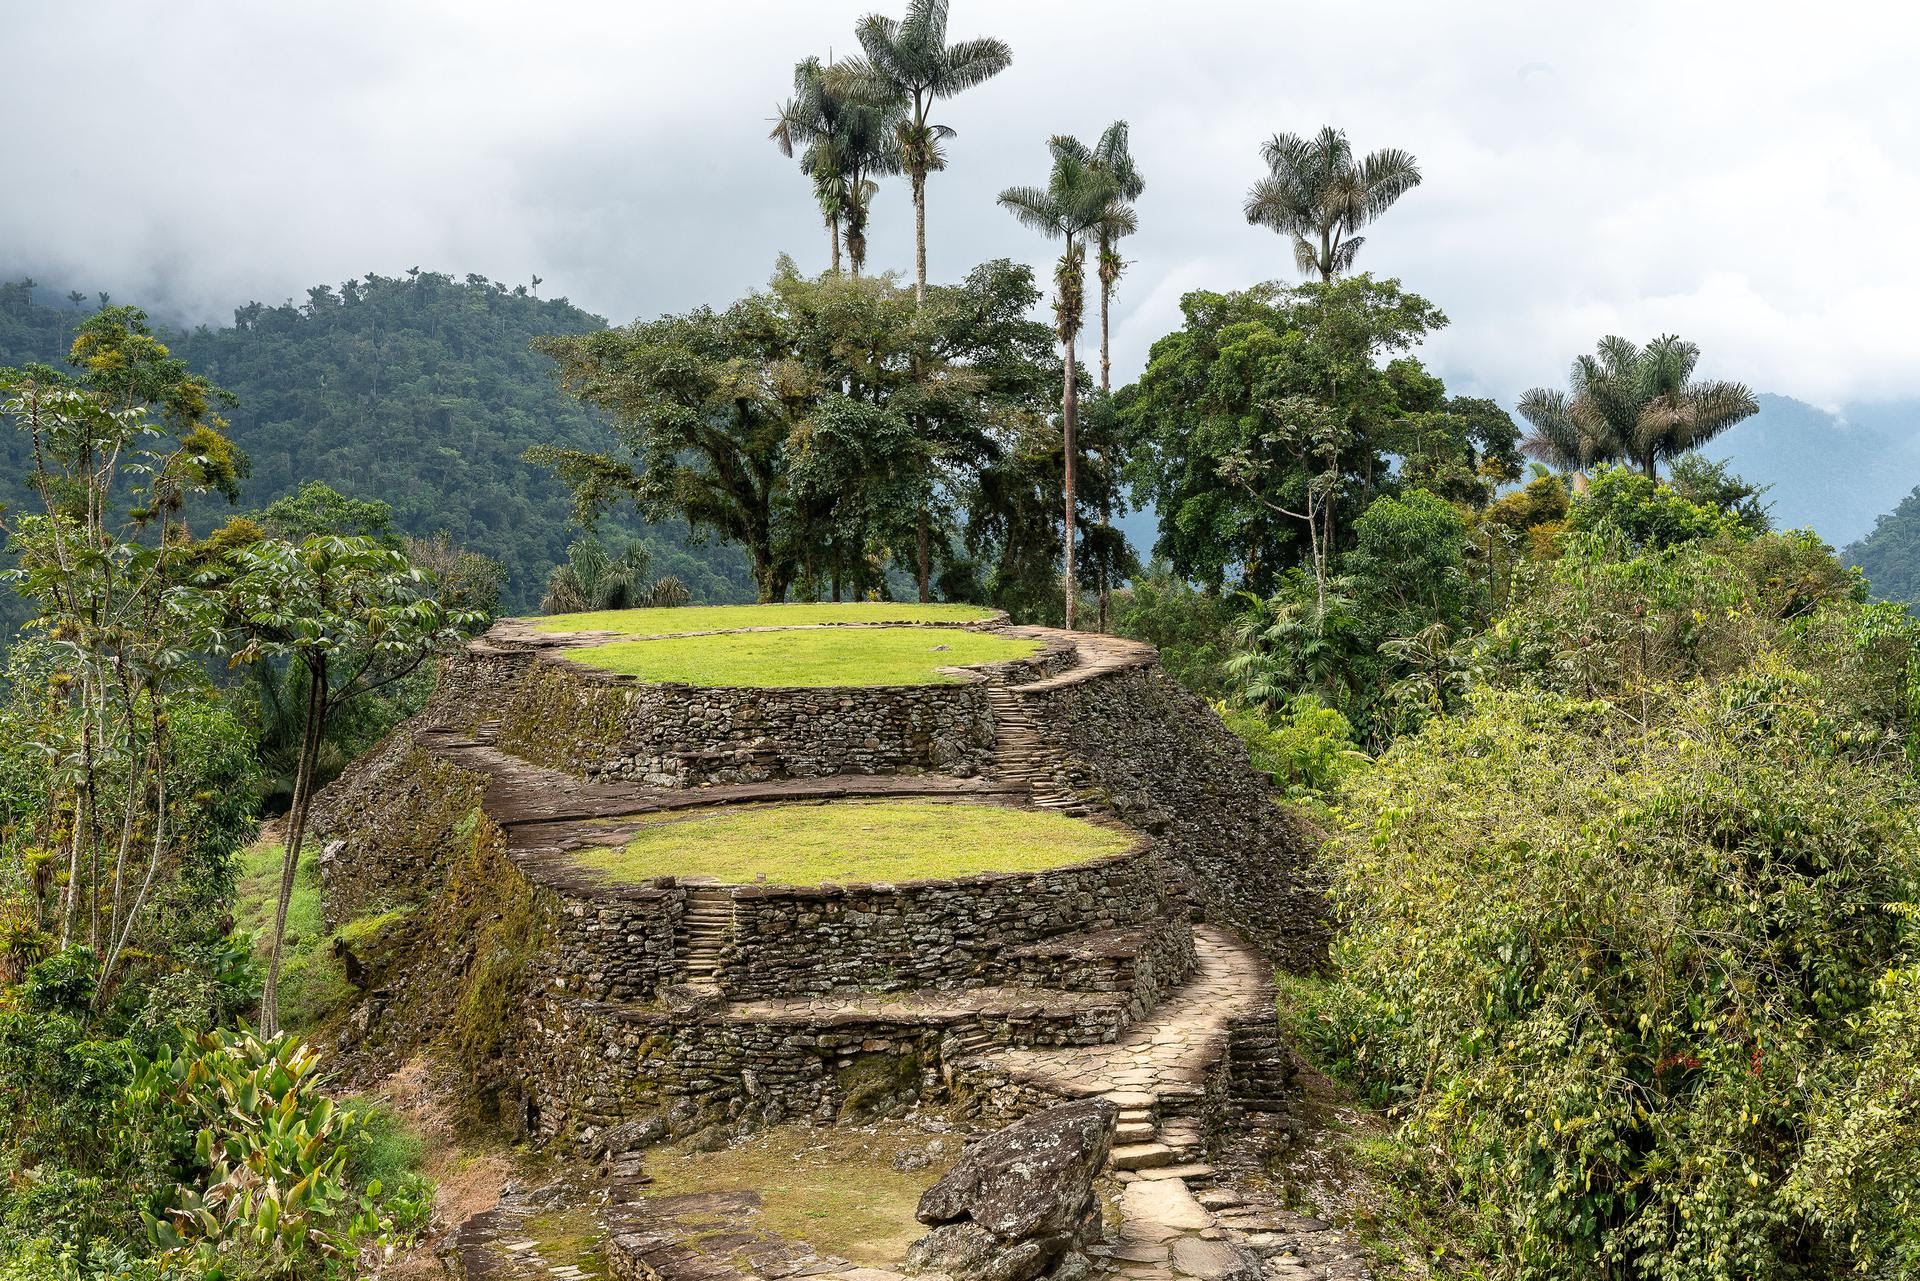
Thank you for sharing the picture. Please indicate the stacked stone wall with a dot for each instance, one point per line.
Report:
(567, 717)
(1134, 740)
(587, 1066)
(789, 941)
(1147, 962)
(619, 947)
(384, 826)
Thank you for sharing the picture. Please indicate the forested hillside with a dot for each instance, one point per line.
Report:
(1833, 472)
(1890, 555)
(420, 390)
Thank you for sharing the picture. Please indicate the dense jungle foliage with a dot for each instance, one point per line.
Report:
(420, 391)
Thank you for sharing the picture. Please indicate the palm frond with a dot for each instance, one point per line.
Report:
(1386, 176)
(1034, 207)
(969, 63)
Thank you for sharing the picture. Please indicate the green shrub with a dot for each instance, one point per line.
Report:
(1306, 750)
(1622, 963)
(270, 1190)
(1647, 514)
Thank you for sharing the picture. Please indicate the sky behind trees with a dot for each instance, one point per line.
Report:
(1739, 173)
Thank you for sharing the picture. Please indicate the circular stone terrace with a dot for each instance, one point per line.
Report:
(790, 860)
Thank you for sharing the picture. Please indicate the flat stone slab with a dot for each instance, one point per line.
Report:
(1212, 1261)
(1165, 1202)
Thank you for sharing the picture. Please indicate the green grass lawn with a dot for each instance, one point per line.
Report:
(821, 657)
(706, 618)
(850, 841)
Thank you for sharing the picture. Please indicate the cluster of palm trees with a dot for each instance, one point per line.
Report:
(861, 118)
(1630, 404)
(1088, 197)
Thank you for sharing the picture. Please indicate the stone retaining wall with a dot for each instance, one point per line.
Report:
(1147, 962)
(383, 827)
(568, 717)
(612, 948)
(587, 1066)
(789, 941)
(1134, 740)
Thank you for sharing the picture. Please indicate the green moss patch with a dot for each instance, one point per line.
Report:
(836, 1189)
(854, 841)
(703, 618)
(819, 657)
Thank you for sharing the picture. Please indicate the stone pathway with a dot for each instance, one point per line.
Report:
(1021, 756)
(1159, 1066)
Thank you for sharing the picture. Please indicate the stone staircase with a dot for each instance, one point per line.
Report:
(1021, 755)
(706, 928)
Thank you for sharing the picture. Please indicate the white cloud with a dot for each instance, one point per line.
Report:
(1736, 172)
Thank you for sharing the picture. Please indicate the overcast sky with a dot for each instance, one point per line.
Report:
(1744, 173)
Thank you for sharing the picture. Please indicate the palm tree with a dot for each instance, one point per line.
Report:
(1677, 414)
(1110, 156)
(911, 61)
(1566, 441)
(845, 141)
(1075, 199)
(1630, 404)
(1315, 193)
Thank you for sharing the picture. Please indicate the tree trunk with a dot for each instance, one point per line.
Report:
(926, 591)
(1106, 292)
(833, 228)
(296, 833)
(1067, 408)
(920, 242)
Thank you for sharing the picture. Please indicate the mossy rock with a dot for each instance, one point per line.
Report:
(877, 1084)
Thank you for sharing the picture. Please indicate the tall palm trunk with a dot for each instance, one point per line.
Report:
(1067, 407)
(1106, 294)
(833, 229)
(919, 235)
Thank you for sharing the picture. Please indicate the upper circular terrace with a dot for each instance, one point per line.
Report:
(801, 646)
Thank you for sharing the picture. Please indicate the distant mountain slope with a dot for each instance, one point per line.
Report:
(1833, 472)
(419, 390)
(1890, 555)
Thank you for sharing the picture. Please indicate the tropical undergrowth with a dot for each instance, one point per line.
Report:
(1629, 932)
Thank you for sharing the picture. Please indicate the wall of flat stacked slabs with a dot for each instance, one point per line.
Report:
(697, 1005)
(569, 716)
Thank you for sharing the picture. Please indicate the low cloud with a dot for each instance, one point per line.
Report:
(1735, 173)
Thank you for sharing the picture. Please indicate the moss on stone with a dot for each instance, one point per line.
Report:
(875, 1083)
(834, 1188)
(572, 1237)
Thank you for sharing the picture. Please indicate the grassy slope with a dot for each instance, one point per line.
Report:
(855, 841)
(702, 618)
(313, 984)
(821, 657)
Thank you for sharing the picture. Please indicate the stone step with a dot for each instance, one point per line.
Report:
(1128, 1132)
(1191, 1172)
(1141, 1156)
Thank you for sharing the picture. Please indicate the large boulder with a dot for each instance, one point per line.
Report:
(1019, 1204)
